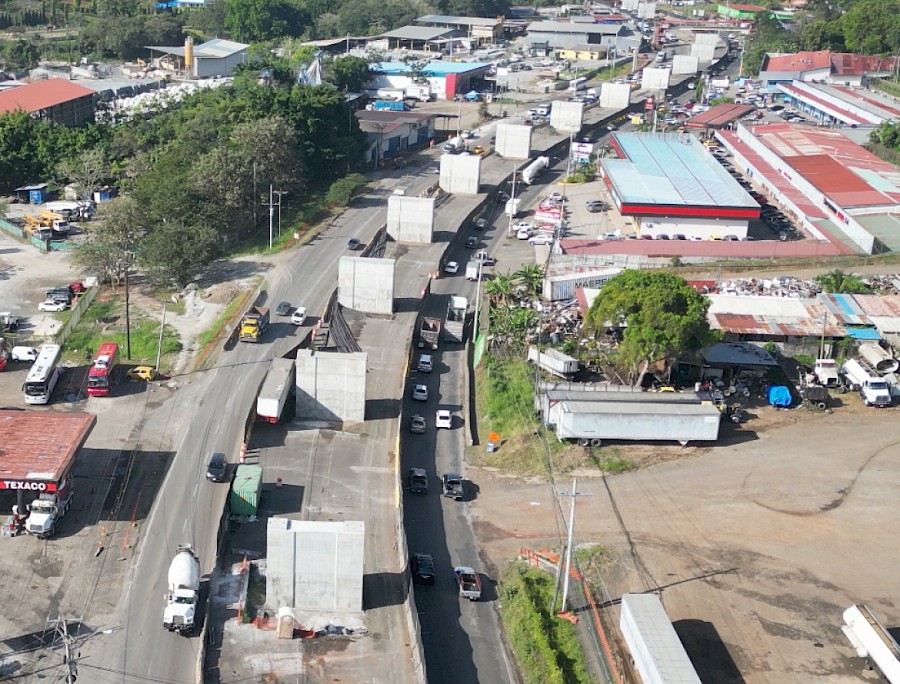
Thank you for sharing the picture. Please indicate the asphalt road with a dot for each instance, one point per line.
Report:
(211, 410)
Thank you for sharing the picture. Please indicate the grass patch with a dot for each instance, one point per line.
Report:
(546, 647)
(300, 218)
(213, 331)
(104, 321)
(504, 395)
(610, 461)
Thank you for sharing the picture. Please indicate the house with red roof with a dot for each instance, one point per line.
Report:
(54, 99)
(824, 66)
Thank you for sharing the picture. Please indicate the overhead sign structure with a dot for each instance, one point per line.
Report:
(28, 484)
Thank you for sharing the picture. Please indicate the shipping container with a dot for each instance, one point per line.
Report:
(246, 488)
(657, 652)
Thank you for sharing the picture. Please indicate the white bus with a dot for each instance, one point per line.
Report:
(43, 375)
(577, 84)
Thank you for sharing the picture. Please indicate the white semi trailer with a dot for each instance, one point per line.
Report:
(872, 641)
(531, 172)
(275, 390)
(657, 652)
(182, 591)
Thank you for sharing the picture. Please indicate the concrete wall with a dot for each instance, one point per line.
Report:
(410, 219)
(615, 95)
(331, 387)
(315, 566)
(460, 173)
(691, 227)
(514, 141)
(704, 53)
(366, 285)
(685, 64)
(567, 116)
(655, 78)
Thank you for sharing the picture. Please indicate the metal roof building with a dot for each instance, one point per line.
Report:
(216, 57)
(719, 116)
(771, 319)
(837, 189)
(316, 569)
(564, 34)
(54, 99)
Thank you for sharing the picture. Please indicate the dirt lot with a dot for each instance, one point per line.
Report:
(757, 544)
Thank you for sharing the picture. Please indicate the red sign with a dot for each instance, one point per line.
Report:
(26, 484)
(648, 105)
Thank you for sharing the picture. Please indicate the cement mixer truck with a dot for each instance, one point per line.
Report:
(535, 169)
(878, 357)
(182, 592)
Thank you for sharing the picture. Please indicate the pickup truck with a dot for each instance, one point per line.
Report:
(453, 486)
(469, 583)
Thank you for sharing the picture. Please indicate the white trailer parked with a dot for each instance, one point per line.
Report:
(657, 652)
(553, 361)
(872, 641)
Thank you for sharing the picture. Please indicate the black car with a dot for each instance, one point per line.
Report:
(472, 242)
(217, 468)
(417, 481)
(421, 566)
(283, 309)
(353, 244)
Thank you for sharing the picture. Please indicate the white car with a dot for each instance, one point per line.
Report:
(556, 196)
(443, 419)
(52, 305)
(299, 316)
(420, 393)
(21, 354)
(541, 239)
(451, 267)
(523, 233)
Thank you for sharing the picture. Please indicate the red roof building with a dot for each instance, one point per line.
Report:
(54, 99)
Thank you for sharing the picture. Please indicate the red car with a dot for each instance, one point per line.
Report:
(76, 287)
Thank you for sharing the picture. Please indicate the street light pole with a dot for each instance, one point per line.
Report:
(280, 194)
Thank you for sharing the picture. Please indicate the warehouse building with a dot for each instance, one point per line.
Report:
(838, 104)
(672, 186)
(477, 29)
(446, 79)
(391, 133)
(837, 190)
(825, 66)
(216, 57)
(560, 35)
(54, 99)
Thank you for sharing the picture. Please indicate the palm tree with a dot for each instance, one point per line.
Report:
(837, 281)
(530, 277)
(498, 289)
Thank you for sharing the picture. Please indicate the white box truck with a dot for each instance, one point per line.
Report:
(275, 391)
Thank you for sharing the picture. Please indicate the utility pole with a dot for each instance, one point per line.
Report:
(271, 214)
(475, 325)
(71, 665)
(512, 201)
(280, 194)
(574, 494)
(162, 327)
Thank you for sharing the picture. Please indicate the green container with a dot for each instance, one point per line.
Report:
(245, 489)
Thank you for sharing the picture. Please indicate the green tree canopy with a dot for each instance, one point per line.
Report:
(348, 73)
(258, 21)
(660, 315)
(872, 26)
(837, 281)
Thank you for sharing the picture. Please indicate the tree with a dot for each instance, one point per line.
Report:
(872, 26)
(258, 21)
(659, 314)
(499, 289)
(837, 281)
(348, 73)
(531, 278)
(887, 134)
(84, 173)
(343, 190)
(112, 238)
(823, 35)
(21, 54)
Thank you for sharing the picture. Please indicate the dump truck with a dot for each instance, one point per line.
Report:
(469, 582)
(429, 333)
(455, 323)
(275, 391)
(254, 324)
(182, 591)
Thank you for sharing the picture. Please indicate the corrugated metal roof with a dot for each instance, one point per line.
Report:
(463, 21)
(790, 316)
(218, 48)
(567, 27)
(798, 61)
(879, 305)
(719, 115)
(739, 354)
(671, 169)
(769, 249)
(45, 443)
(845, 308)
(418, 33)
(41, 95)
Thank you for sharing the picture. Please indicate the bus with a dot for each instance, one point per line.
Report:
(43, 375)
(577, 84)
(104, 371)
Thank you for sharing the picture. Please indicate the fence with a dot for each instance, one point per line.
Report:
(80, 306)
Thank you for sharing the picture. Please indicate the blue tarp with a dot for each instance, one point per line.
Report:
(473, 95)
(779, 395)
